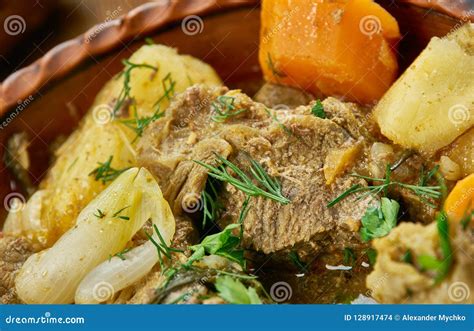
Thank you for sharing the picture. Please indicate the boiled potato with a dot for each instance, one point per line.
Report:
(68, 186)
(432, 103)
(461, 151)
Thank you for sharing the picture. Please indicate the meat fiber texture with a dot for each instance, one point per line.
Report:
(292, 146)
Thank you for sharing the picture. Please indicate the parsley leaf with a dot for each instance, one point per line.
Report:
(233, 291)
(318, 110)
(379, 221)
(224, 244)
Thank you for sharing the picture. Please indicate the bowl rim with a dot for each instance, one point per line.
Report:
(101, 39)
(109, 35)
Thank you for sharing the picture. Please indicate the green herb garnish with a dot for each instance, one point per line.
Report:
(273, 69)
(138, 124)
(124, 94)
(223, 108)
(163, 250)
(168, 87)
(443, 265)
(223, 244)
(280, 124)
(318, 110)
(349, 257)
(377, 222)
(211, 206)
(295, 259)
(117, 214)
(121, 255)
(407, 257)
(371, 256)
(271, 186)
(386, 183)
(105, 172)
(233, 291)
(99, 214)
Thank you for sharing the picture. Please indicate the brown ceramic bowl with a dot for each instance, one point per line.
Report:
(49, 97)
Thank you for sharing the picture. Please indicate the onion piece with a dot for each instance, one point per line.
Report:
(116, 274)
(53, 275)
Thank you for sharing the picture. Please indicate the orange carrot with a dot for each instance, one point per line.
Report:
(460, 201)
(337, 47)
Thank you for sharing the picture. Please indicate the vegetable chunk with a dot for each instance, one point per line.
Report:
(338, 48)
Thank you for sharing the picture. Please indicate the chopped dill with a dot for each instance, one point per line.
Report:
(386, 182)
(105, 172)
(223, 108)
(295, 259)
(168, 87)
(138, 124)
(349, 257)
(162, 248)
(117, 214)
(210, 203)
(121, 255)
(273, 69)
(124, 94)
(271, 186)
(99, 214)
(280, 124)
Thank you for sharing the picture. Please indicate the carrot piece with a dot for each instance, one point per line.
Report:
(460, 202)
(338, 47)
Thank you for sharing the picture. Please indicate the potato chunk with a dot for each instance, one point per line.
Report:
(432, 103)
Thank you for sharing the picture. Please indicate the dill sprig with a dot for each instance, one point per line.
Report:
(162, 248)
(138, 124)
(168, 87)
(121, 255)
(105, 172)
(124, 94)
(117, 214)
(223, 108)
(211, 206)
(386, 182)
(280, 124)
(273, 69)
(99, 214)
(271, 186)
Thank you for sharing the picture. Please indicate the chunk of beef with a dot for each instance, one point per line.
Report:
(279, 96)
(13, 253)
(291, 145)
